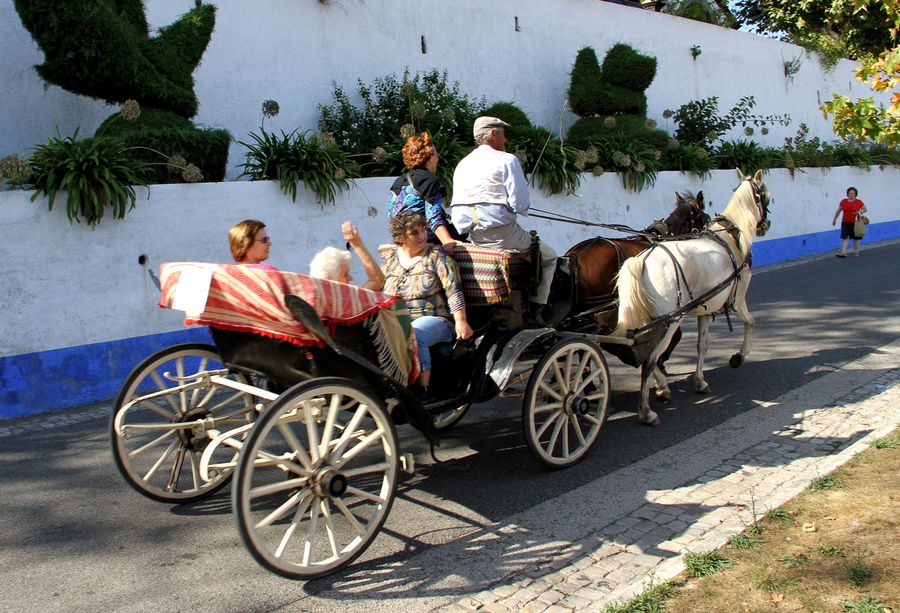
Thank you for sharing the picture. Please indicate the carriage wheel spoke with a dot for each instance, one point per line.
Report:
(274, 488)
(560, 422)
(568, 379)
(183, 406)
(150, 404)
(312, 430)
(565, 433)
(334, 408)
(366, 470)
(594, 420)
(558, 377)
(329, 527)
(349, 431)
(177, 465)
(364, 494)
(361, 446)
(349, 516)
(578, 375)
(576, 425)
(311, 533)
(543, 408)
(283, 508)
(547, 424)
(195, 470)
(161, 386)
(151, 444)
(162, 459)
(551, 392)
(296, 446)
(286, 537)
(594, 376)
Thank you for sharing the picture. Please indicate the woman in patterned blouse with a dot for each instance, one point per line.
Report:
(428, 281)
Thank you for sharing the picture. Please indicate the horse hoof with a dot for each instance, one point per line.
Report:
(702, 389)
(736, 360)
(653, 422)
(664, 397)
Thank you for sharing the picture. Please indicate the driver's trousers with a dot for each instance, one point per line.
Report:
(514, 238)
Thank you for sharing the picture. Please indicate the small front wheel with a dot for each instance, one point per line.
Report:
(316, 478)
(566, 402)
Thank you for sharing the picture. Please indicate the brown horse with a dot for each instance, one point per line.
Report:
(599, 260)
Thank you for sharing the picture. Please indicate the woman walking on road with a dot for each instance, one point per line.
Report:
(852, 207)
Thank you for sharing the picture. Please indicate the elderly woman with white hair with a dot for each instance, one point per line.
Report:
(334, 264)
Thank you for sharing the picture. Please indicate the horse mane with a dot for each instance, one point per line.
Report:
(741, 211)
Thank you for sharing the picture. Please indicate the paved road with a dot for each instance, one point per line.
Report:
(75, 537)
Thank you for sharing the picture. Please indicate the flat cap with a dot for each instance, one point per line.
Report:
(488, 122)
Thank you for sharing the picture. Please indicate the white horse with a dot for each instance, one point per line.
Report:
(700, 277)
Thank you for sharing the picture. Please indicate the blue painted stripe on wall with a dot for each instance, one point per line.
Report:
(792, 247)
(73, 376)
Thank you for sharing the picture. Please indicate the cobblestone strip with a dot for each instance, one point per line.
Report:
(647, 545)
(13, 427)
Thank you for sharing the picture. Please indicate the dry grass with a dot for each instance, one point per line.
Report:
(835, 548)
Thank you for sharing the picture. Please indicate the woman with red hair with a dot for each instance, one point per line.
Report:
(421, 191)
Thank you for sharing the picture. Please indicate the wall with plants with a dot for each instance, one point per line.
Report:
(512, 53)
(81, 306)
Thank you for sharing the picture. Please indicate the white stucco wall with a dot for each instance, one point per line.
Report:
(64, 285)
(291, 51)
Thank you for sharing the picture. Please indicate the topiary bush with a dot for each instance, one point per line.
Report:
(591, 130)
(158, 132)
(624, 67)
(553, 165)
(586, 84)
(103, 49)
(511, 114)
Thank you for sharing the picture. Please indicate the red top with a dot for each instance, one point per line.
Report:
(851, 209)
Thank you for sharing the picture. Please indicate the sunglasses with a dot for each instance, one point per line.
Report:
(264, 239)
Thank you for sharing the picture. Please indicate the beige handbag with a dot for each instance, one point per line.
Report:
(859, 226)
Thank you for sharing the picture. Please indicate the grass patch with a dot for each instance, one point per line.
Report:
(866, 604)
(831, 552)
(892, 442)
(743, 541)
(705, 564)
(830, 549)
(827, 483)
(650, 600)
(860, 573)
(778, 515)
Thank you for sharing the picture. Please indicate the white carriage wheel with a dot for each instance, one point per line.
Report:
(566, 402)
(316, 478)
(163, 463)
(447, 419)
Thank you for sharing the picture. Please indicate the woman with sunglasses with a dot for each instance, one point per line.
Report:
(250, 244)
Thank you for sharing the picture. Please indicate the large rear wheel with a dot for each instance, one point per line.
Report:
(161, 417)
(566, 402)
(316, 478)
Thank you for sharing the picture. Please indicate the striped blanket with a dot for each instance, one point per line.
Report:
(484, 271)
(247, 299)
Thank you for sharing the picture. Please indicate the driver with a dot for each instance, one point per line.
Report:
(489, 190)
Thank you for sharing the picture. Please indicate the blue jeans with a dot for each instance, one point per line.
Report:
(430, 330)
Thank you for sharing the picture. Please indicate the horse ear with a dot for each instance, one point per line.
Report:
(678, 198)
(700, 200)
(758, 177)
(740, 175)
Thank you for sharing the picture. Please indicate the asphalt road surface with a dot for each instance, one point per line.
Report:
(75, 537)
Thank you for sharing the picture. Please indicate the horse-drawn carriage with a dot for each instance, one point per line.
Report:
(299, 397)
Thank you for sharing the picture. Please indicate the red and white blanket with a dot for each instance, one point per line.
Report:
(247, 299)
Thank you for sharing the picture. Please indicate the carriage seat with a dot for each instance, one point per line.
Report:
(488, 275)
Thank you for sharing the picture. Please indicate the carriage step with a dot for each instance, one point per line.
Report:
(408, 463)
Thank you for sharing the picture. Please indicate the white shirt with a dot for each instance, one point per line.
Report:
(489, 190)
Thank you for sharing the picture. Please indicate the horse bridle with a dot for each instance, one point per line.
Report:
(763, 225)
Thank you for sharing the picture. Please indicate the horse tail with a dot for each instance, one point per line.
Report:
(634, 305)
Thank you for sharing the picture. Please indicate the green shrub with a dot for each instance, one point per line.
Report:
(624, 67)
(511, 114)
(593, 130)
(158, 132)
(637, 163)
(585, 84)
(94, 172)
(690, 158)
(743, 154)
(298, 157)
(103, 49)
(704, 564)
(427, 101)
(15, 171)
(553, 164)
(390, 164)
(699, 121)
